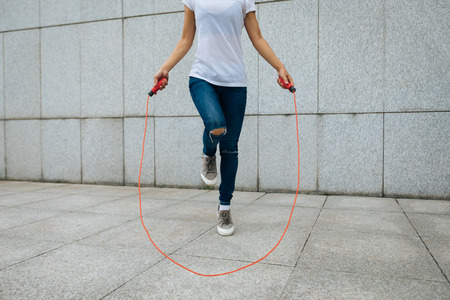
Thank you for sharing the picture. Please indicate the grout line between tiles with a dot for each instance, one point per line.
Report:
(424, 244)
(304, 245)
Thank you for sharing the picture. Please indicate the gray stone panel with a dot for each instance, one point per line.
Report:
(134, 134)
(250, 242)
(247, 174)
(431, 225)
(22, 74)
(164, 6)
(56, 12)
(100, 9)
(417, 154)
(363, 221)
(59, 189)
(127, 206)
(24, 198)
(138, 65)
(19, 14)
(66, 227)
(201, 211)
(132, 234)
(351, 56)
(351, 153)
(170, 193)
(256, 215)
(417, 56)
(325, 284)
(115, 191)
(296, 47)
(102, 150)
(72, 202)
(25, 186)
(2, 150)
(279, 199)
(425, 207)
(362, 203)
(3, 193)
(396, 255)
(251, 65)
(101, 69)
(175, 100)
(137, 7)
(167, 280)
(17, 216)
(15, 250)
(278, 153)
(178, 151)
(60, 56)
(439, 249)
(23, 150)
(61, 150)
(74, 272)
(2, 98)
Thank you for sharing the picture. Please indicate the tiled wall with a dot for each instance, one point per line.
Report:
(373, 81)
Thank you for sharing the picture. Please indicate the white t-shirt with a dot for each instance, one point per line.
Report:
(219, 23)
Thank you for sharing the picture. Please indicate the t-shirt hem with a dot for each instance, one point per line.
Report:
(250, 10)
(218, 83)
(189, 5)
(249, 6)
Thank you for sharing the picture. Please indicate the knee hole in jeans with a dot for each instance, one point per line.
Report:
(217, 131)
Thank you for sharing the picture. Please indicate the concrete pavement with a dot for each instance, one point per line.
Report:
(71, 241)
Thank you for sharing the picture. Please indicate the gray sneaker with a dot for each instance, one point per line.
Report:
(224, 223)
(209, 170)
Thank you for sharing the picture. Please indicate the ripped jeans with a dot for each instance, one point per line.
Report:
(221, 107)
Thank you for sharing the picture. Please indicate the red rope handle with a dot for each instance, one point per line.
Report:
(246, 266)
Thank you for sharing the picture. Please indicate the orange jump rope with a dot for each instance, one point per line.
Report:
(154, 90)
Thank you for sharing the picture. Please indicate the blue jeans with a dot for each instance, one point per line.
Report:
(221, 107)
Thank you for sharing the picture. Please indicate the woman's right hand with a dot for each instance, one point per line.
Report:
(158, 76)
(285, 76)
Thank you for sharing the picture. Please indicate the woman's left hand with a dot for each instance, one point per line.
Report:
(285, 76)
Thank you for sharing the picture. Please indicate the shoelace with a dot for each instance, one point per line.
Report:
(211, 165)
(225, 217)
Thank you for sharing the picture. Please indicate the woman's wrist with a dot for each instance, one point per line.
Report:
(280, 68)
(164, 68)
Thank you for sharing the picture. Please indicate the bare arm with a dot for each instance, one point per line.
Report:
(181, 49)
(263, 48)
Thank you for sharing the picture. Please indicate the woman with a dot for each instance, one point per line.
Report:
(217, 84)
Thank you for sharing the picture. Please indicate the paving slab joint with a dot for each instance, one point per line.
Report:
(304, 245)
(424, 244)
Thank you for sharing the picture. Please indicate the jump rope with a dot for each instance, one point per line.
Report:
(154, 90)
